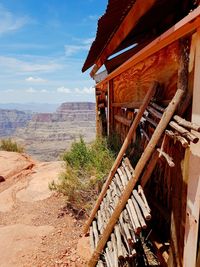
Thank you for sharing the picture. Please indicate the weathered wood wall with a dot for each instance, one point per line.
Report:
(167, 184)
(133, 84)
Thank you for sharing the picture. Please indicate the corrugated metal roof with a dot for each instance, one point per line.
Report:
(107, 25)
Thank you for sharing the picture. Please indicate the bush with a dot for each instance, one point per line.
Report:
(86, 168)
(79, 155)
(9, 145)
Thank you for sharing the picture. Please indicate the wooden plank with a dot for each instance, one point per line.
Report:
(132, 104)
(123, 120)
(117, 162)
(138, 170)
(139, 8)
(193, 195)
(184, 27)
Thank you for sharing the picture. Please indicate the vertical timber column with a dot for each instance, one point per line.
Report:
(98, 122)
(110, 108)
(193, 194)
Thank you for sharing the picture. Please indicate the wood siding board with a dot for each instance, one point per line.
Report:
(193, 195)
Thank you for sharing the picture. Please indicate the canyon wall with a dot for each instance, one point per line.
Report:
(48, 135)
(10, 120)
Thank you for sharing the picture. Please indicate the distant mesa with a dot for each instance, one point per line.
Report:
(68, 106)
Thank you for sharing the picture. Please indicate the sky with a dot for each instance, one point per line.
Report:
(43, 45)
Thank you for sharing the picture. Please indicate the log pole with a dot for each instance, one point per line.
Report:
(193, 138)
(168, 159)
(187, 124)
(176, 137)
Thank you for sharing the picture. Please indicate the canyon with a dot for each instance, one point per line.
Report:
(10, 120)
(45, 136)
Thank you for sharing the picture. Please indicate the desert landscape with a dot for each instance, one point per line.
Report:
(45, 136)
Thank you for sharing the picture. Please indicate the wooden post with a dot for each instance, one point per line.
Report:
(138, 170)
(110, 109)
(98, 120)
(117, 162)
(176, 228)
(193, 195)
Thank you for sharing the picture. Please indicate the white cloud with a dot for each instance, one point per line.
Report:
(22, 66)
(85, 90)
(82, 45)
(74, 49)
(9, 22)
(88, 41)
(43, 91)
(35, 79)
(8, 91)
(30, 90)
(63, 90)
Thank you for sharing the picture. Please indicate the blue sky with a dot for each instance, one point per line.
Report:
(43, 45)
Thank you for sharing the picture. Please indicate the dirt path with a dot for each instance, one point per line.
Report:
(35, 227)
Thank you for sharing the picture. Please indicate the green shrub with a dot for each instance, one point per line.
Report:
(9, 145)
(79, 155)
(85, 170)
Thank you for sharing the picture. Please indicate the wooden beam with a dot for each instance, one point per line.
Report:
(123, 120)
(138, 170)
(139, 8)
(115, 62)
(193, 195)
(117, 162)
(133, 104)
(184, 27)
(176, 231)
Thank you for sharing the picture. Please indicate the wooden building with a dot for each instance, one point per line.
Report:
(149, 96)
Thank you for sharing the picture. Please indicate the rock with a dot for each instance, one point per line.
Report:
(38, 188)
(12, 163)
(2, 179)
